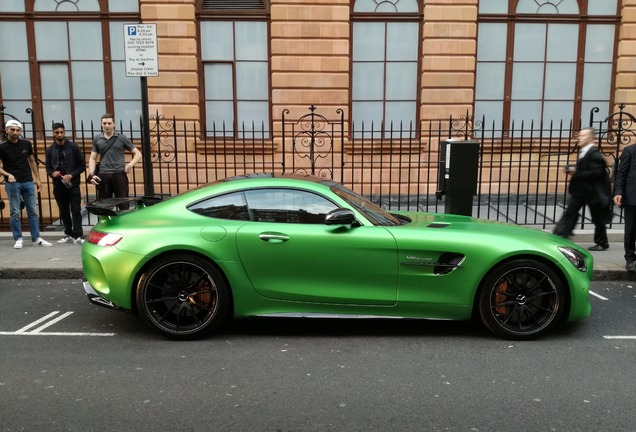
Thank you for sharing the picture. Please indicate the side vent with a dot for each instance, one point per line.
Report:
(448, 262)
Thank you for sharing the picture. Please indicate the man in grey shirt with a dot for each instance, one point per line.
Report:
(112, 179)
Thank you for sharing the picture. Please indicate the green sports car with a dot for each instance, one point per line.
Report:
(268, 245)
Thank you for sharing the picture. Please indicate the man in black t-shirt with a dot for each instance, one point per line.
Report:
(21, 181)
(64, 164)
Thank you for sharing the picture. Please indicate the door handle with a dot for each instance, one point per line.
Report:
(273, 237)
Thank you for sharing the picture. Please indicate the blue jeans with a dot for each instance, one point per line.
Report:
(26, 190)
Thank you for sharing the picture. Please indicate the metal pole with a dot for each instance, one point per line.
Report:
(145, 140)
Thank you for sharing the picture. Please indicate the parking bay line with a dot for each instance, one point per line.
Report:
(3, 333)
(620, 337)
(38, 331)
(611, 337)
(598, 296)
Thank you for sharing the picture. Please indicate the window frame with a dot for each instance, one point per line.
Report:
(277, 211)
(244, 12)
(583, 19)
(104, 17)
(385, 18)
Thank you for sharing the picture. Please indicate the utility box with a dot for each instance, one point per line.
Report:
(457, 176)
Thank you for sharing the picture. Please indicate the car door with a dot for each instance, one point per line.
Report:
(290, 254)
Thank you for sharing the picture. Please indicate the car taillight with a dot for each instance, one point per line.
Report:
(103, 239)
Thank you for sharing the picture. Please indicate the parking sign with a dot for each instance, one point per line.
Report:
(140, 49)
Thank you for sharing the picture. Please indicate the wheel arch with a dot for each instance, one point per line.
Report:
(543, 260)
(180, 252)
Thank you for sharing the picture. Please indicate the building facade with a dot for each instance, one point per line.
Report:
(235, 69)
(243, 62)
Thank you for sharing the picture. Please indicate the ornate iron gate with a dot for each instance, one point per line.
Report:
(316, 144)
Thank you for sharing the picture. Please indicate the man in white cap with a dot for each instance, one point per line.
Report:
(21, 180)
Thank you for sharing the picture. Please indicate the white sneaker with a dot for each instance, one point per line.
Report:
(18, 244)
(66, 239)
(78, 241)
(41, 242)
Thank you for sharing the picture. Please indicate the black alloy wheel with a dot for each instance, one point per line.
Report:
(522, 300)
(183, 297)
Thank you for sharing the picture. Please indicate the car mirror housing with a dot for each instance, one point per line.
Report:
(340, 216)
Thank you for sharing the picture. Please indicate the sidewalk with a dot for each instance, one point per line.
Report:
(63, 261)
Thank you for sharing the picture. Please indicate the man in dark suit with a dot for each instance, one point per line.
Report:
(625, 196)
(589, 185)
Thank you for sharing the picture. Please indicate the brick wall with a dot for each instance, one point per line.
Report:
(625, 84)
(310, 47)
(175, 92)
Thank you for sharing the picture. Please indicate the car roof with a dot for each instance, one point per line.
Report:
(293, 176)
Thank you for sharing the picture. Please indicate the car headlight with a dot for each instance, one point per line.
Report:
(575, 257)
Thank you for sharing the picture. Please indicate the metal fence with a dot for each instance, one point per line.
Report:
(521, 179)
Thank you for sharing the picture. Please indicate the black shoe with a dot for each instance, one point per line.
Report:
(598, 247)
(630, 266)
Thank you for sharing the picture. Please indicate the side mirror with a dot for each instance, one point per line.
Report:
(340, 216)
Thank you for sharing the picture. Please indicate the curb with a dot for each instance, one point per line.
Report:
(34, 273)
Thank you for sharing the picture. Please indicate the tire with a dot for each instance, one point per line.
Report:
(522, 300)
(184, 297)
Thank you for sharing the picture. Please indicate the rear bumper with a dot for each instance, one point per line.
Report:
(95, 298)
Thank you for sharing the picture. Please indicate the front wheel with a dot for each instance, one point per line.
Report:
(183, 297)
(521, 300)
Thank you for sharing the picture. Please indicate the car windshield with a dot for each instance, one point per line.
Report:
(371, 211)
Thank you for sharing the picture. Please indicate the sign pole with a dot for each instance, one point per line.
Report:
(145, 141)
(140, 46)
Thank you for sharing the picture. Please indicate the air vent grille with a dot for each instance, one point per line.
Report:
(232, 4)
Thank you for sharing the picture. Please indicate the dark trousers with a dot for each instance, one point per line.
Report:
(629, 240)
(566, 225)
(69, 201)
(113, 185)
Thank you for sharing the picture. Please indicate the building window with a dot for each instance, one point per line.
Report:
(236, 78)
(15, 83)
(544, 71)
(385, 66)
(78, 72)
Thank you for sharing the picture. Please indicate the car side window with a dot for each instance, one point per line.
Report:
(288, 206)
(230, 206)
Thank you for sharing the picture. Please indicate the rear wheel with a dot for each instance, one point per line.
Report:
(522, 299)
(182, 296)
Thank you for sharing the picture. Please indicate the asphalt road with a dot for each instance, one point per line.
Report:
(66, 365)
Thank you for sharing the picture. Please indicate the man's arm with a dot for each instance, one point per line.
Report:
(5, 173)
(79, 161)
(48, 162)
(136, 157)
(34, 172)
(624, 162)
(92, 161)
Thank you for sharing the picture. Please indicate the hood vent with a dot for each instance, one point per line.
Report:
(437, 225)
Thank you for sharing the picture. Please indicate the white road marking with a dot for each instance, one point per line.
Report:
(598, 296)
(620, 337)
(55, 334)
(33, 324)
(38, 331)
(50, 323)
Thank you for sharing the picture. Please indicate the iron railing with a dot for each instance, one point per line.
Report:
(520, 174)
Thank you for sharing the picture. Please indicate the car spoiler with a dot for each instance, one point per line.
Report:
(110, 206)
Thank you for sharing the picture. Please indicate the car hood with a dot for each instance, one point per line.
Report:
(458, 223)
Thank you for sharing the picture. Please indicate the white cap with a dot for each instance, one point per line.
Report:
(13, 123)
